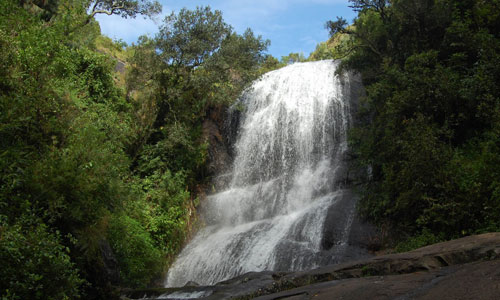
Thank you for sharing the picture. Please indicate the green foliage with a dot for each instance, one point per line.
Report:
(139, 259)
(322, 52)
(176, 150)
(367, 271)
(421, 240)
(82, 163)
(195, 64)
(337, 47)
(35, 265)
(116, 48)
(76, 184)
(96, 79)
(292, 58)
(204, 63)
(191, 37)
(165, 210)
(430, 118)
(64, 129)
(270, 63)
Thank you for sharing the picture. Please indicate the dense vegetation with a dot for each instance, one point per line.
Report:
(99, 170)
(430, 121)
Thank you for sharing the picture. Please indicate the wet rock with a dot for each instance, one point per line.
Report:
(466, 268)
(110, 264)
(120, 66)
(217, 133)
(218, 157)
(479, 280)
(191, 283)
(456, 252)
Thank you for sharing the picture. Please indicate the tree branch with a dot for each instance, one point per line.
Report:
(95, 5)
(103, 11)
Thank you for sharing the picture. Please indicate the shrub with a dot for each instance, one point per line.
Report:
(35, 265)
(139, 260)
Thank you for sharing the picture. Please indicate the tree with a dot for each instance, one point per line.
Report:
(35, 265)
(429, 122)
(338, 26)
(124, 8)
(293, 58)
(199, 63)
(269, 63)
(189, 38)
(46, 8)
(377, 5)
(194, 64)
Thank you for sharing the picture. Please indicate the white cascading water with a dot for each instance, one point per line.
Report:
(287, 168)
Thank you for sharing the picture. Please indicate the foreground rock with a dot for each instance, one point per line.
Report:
(467, 268)
(480, 280)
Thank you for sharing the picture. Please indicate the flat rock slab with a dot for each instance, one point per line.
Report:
(466, 268)
(459, 251)
(479, 280)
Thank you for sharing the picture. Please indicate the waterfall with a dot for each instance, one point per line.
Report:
(286, 180)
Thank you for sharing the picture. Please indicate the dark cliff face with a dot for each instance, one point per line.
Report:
(362, 237)
(220, 130)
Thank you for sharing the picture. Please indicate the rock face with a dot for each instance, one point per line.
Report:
(110, 264)
(479, 280)
(466, 268)
(218, 132)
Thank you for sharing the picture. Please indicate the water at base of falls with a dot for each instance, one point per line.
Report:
(285, 182)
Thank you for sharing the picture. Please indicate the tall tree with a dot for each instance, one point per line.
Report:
(430, 119)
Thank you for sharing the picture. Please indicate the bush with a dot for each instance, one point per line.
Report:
(35, 265)
(429, 123)
(139, 260)
(423, 239)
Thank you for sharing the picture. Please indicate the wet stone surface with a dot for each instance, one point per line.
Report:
(466, 268)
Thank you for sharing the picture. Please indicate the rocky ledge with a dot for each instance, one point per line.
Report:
(466, 268)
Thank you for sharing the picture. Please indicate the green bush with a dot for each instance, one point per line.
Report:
(429, 122)
(421, 240)
(167, 216)
(139, 260)
(84, 167)
(35, 265)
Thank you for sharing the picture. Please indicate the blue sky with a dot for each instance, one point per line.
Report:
(291, 25)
